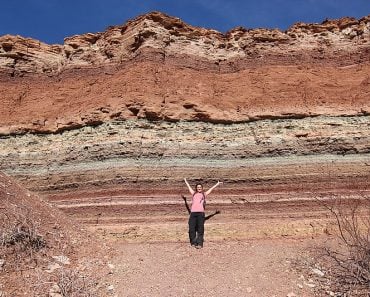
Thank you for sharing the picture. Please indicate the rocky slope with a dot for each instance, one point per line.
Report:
(41, 248)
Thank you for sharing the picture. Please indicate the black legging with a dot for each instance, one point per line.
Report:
(196, 228)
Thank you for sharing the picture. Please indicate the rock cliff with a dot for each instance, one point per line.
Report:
(156, 67)
(107, 125)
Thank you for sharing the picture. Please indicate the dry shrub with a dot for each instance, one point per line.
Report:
(32, 234)
(73, 284)
(348, 264)
(19, 235)
(65, 283)
(26, 250)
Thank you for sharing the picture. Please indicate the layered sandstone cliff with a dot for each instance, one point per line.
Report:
(156, 67)
(108, 124)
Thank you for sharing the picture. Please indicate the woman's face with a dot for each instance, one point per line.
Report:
(199, 188)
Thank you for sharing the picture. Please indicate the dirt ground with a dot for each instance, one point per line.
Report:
(253, 248)
(221, 268)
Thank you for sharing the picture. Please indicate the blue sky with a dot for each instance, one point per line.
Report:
(53, 20)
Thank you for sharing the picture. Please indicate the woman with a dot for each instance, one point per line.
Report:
(196, 219)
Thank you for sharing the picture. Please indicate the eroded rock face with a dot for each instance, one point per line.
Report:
(157, 67)
(165, 37)
(107, 125)
(138, 154)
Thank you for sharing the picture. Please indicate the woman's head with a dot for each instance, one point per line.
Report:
(199, 188)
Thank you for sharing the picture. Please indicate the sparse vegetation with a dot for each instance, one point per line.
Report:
(65, 283)
(27, 250)
(72, 284)
(19, 236)
(347, 266)
(20, 232)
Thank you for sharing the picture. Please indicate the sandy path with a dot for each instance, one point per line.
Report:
(236, 268)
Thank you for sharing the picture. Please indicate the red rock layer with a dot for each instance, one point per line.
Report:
(159, 68)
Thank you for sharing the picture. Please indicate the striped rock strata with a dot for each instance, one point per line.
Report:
(108, 124)
(126, 177)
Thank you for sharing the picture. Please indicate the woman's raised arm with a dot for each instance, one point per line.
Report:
(189, 187)
(211, 189)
